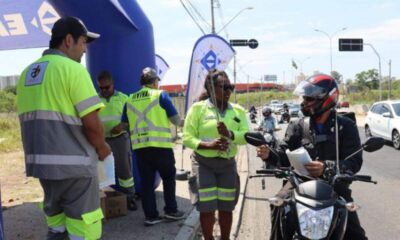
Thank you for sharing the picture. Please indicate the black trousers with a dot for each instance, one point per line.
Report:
(354, 231)
(150, 160)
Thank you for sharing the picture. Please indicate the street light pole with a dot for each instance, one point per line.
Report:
(380, 72)
(233, 18)
(234, 56)
(330, 41)
(212, 17)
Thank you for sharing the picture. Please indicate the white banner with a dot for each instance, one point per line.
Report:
(210, 51)
(161, 67)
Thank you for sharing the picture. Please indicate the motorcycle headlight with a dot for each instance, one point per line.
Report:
(314, 224)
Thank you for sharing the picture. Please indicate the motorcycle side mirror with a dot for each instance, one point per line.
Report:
(373, 143)
(255, 138)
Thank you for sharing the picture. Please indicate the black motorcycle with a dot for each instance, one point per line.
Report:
(313, 210)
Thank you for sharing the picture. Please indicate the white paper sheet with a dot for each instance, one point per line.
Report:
(298, 158)
(106, 171)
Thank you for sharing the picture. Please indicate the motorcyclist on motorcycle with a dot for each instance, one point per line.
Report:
(316, 133)
(253, 114)
(268, 124)
(285, 116)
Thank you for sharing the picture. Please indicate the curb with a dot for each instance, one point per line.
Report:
(190, 227)
(237, 217)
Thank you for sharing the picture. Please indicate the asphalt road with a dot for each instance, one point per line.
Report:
(379, 213)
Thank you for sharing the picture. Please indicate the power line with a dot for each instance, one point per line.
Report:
(198, 13)
(188, 12)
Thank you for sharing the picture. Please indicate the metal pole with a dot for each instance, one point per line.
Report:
(233, 18)
(330, 42)
(212, 18)
(330, 50)
(248, 82)
(234, 77)
(390, 78)
(380, 72)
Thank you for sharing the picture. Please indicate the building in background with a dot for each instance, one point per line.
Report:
(6, 81)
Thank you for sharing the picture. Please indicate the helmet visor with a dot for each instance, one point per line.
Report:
(307, 89)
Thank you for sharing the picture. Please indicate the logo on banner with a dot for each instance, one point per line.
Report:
(210, 51)
(210, 60)
(15, 23)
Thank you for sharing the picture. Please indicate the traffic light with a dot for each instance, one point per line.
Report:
(351, 44)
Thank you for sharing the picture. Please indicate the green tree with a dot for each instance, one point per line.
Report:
(11, 89)
(369, 78)
(7, 102)
(337, 76)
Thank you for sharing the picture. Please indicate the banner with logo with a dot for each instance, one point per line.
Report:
(161, 67)
(25, 23)
(210, 51)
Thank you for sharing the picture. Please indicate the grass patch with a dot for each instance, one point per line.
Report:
(10, 136)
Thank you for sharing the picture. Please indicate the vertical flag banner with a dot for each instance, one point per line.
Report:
(161, 67)
(210, 51)
(26, 23)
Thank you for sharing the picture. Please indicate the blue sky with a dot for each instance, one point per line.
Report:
(283, 28)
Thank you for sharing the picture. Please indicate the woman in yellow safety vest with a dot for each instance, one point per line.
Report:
(213, 128)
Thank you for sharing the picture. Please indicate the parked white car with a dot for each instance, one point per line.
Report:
(276, 107)
(383, 120)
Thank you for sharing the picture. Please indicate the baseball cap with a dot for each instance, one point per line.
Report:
(73, 26)
(150, 73)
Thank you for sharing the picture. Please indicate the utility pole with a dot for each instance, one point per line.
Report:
(248, 81)
(234, 77)
(212, 18)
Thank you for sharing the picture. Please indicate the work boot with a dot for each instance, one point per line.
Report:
(51, 235)
(131, 203)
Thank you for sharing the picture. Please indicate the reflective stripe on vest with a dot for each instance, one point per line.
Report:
(142, 117)
(49, 115)
(57, 159)
(87, 103)
(110, 116)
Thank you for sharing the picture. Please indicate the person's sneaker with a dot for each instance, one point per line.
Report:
(178, 215)
(152, 221)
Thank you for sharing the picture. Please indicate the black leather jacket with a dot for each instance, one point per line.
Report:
(322, 146)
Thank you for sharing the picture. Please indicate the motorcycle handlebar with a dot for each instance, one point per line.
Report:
(361, 178)
(267, 171)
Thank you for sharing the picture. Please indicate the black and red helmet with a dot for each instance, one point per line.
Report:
(320, 93)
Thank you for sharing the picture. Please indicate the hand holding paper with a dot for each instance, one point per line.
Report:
(298, 158)
(106, 171)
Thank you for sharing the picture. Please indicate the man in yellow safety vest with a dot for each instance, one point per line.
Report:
(116, 135)
(62, 134)
(149, 112)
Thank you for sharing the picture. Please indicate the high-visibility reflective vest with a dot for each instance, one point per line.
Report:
(201, 125)
(148, 122)
(54, 93)
(110, 116)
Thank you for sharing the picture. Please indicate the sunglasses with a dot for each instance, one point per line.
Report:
(105, 87)
(227, 87)
(309, 99)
